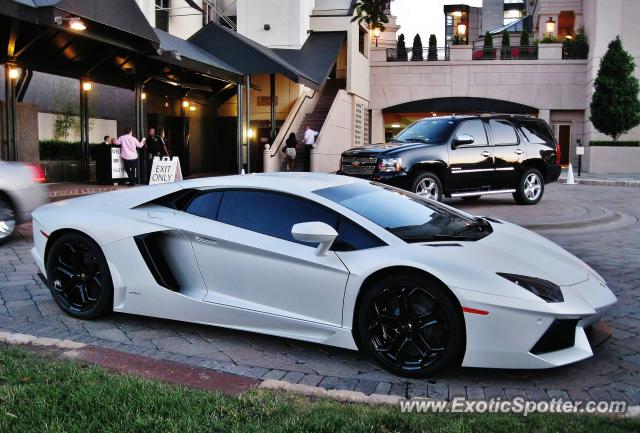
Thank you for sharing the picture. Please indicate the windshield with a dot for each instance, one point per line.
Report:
(406, 215)
(427, 131)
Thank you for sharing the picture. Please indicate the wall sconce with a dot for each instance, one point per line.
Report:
(14, 73)
(376, 35)
(550, 26)
(87, 86)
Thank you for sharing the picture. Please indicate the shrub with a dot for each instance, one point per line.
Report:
(433, 48)
(417, 49)
(524, 39)
(57, 150)
(506, 45)
(401, 48)
(602, 143)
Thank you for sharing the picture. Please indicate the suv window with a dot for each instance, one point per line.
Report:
(503, 132)
(537, 131)
(274, 214)
(474, 128)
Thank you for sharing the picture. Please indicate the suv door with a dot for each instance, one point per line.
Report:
(470, 165)
(508, 151)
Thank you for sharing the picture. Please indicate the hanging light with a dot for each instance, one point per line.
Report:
(550, 26)
(87, 86)
(14, 73)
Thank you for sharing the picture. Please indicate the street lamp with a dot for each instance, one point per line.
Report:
(86, 86)
(550, 26)
(376, 35)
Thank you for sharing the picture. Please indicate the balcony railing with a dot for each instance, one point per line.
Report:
(480, 52)
(439, 54)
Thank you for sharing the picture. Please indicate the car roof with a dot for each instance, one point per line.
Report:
(482, 116)
(294, 182)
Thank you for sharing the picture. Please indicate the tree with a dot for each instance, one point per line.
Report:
(432, 55)
(372, 13)
(615, 108)
(506, 45)
(487, 50)
(417, 49)
(524, 39)
(401, 49)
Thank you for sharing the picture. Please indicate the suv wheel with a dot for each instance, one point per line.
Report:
(7, 219)
(530, 187)
(427, 185)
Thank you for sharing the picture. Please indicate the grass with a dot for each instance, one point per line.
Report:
(41, 395)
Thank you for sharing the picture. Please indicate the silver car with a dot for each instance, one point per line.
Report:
(21, 191)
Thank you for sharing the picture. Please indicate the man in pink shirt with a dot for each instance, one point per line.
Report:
(129, 146)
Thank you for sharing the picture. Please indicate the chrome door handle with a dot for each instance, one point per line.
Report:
(518, 151)
(486, 154)
(205, 240)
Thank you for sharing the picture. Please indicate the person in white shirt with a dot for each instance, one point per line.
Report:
(309, 141)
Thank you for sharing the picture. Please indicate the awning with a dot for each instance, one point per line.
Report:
(317, 56)
(246, 55)
(179, 52)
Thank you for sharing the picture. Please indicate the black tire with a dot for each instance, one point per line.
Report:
(427, 184)
(414, 315)
(530, 187)
(472, 198)
(78, 277)
(7, 218)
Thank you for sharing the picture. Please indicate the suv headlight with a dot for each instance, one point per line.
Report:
(390, 165)
(542, 288)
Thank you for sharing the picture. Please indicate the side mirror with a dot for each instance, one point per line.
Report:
(316, 232)
(463, 139)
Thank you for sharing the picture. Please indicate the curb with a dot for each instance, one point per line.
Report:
(339, 395)
(603, 182)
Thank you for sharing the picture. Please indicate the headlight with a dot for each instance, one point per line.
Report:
(390, 165)
(542, 288)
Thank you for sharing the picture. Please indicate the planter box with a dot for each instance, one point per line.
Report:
(65, 171)
(613, 159)
(550, 52)
(460, 52)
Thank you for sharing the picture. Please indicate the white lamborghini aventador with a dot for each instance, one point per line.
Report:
(327, 259)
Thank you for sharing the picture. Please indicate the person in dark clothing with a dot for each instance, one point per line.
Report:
(290, 150)
(156, 147)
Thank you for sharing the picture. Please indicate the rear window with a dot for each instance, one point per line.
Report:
(537, 131)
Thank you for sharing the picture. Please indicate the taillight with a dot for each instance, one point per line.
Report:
(37, 173)
(558, 154)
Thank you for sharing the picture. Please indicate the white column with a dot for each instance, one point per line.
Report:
(377, 127)
(545, 115)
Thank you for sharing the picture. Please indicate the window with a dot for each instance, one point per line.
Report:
(536, 131)
(205, 205)
(162, 15)
(407, 216)
(274, 214)
(427, 131)
(362, 42)
(503, 133)
(474, 128)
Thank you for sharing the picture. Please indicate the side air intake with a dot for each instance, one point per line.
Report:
(151, 250)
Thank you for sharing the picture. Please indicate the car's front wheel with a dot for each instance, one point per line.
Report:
(7, 218)
(410, 326)
(427, 184)
(530, 187)
(79, 277)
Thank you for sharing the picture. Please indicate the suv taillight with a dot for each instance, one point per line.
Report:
(37, 173)
(558, 153)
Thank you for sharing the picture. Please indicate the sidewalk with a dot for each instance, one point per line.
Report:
(603, 179)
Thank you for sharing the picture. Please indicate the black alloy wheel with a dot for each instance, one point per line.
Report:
(411, 326)
(79, 278)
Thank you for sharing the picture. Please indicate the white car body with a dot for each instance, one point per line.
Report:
(17, 183)
(236, 278)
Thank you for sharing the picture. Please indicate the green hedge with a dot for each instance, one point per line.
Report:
(615, 143)
(56, 150)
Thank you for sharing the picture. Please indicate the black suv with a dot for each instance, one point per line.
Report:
(463, 156)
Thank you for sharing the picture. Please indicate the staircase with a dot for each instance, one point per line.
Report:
(316, 118)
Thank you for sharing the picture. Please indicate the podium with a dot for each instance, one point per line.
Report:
(109, 166)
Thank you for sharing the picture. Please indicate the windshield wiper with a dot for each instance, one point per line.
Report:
(395, 140)
(417, 140)
(436, 238)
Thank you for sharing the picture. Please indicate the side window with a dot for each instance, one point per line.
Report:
(270, 214)
(537, 131)
(503, 133)
(351, 237)
(205, 205)
(474, 128)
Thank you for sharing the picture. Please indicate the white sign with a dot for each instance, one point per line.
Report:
(117, 166)
(165, 170)
(580, 150)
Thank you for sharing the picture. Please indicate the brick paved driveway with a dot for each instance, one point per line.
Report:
(613, 373)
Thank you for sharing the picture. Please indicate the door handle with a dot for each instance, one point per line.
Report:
(205, 240)
(486, 154)
(518, 151)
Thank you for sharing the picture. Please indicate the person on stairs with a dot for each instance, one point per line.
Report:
(309, 143)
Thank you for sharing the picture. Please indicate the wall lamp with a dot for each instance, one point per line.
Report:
(75, 23)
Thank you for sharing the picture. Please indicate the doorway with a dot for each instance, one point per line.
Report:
(563, 135)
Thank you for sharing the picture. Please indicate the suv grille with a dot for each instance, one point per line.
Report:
(358, 166)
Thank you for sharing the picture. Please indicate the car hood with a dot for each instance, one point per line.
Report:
(373, 150)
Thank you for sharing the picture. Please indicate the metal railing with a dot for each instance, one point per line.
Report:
(440, 54)
(480, 52)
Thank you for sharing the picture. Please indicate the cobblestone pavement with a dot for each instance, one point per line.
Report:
(613, 373)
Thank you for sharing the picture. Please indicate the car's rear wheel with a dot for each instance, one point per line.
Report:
(427, 184)
(530, 188)
(79, 277)
(411, 326)
(7, 219)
